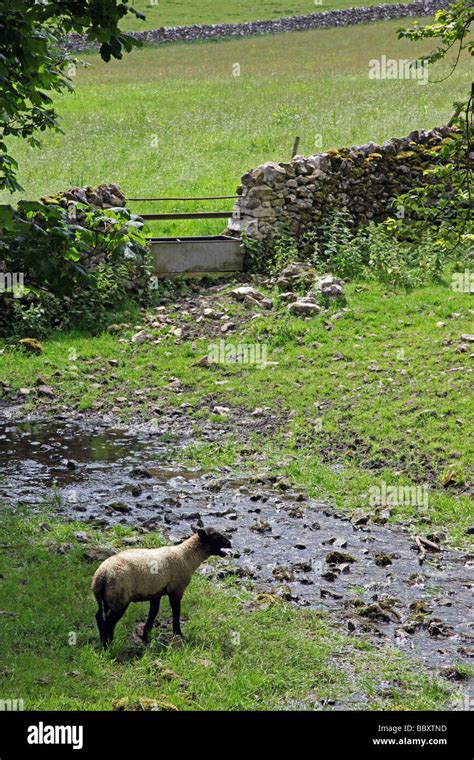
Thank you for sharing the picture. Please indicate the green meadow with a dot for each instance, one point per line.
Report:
(175, 121)
(177, 12)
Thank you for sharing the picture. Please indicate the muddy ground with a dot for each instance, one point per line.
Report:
(367, 575)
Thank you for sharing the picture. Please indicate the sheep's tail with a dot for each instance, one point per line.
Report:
(98, 588)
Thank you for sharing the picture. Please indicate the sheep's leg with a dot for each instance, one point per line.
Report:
(175, 602)
(100, 623)
(111, 619)
(154, 608)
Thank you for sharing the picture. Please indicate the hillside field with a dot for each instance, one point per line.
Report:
(176, 12)
(176, 121)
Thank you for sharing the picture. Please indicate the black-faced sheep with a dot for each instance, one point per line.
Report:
(139, 575)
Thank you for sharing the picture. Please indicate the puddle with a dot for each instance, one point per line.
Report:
(112, 475)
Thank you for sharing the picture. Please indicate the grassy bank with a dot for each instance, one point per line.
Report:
(243, 651)
(177, 121)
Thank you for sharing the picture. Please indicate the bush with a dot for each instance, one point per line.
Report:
(376, 251)
(78, 263)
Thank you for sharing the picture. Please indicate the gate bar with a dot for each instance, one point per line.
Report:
(198, 198)
(194, 215)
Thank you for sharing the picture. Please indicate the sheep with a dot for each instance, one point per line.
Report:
(139, 575)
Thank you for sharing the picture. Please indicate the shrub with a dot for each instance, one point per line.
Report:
(377, 251)
(77, 262)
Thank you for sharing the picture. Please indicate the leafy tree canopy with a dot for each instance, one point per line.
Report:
(33, 63)
(451, 178)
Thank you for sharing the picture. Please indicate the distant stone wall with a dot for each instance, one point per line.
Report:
(299, 195)
(322, 20)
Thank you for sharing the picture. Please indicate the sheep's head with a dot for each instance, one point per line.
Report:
(213, 542)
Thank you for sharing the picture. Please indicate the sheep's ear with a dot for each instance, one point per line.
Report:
(201, 532)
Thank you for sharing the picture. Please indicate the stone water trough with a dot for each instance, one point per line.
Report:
(218, 253)
(203, 253)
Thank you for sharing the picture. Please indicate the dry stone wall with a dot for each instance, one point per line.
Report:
(299, 195)
(322, 20)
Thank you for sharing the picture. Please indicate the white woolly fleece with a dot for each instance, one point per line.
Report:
(138, 575)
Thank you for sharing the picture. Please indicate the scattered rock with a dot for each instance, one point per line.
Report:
(326, 593)
(382, 560)
(98, 553)
(330, 287)
(296, 275)
(338, 558)
(120, 506)
(282, 573)
(45, 390)
(261, 526)
(222, 411)
(140, 472)
(304, 306)
(140, 337)
(143, 705)
(31, 345)
(244, 292)
(329, 575)
(360, 518)
(436, 627)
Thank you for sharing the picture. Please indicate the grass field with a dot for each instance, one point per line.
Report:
(176, 12)
(175, 121)
(242, 652)
(377, 393)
